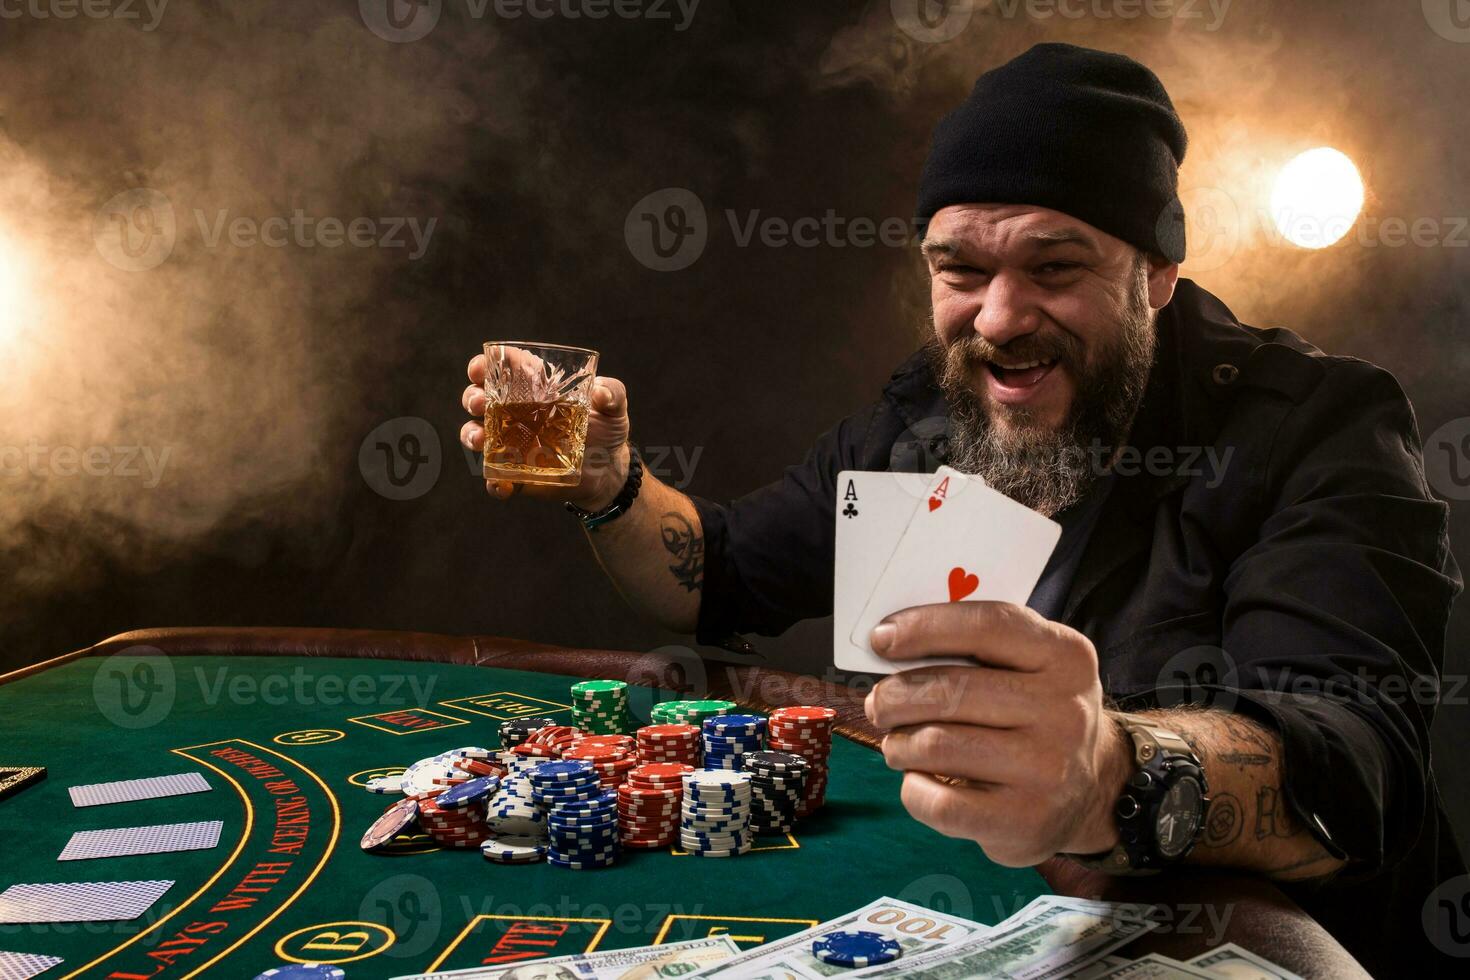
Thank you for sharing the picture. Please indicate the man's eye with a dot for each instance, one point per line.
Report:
(1053, 268)
(964, 270)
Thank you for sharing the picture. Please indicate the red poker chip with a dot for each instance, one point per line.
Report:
(611, 741)
(804, 712)
(662, 771)
(656, 732)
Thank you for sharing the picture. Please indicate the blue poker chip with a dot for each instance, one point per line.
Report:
(563, 771)
(466, 793)
(724, 724)
(856, 948)
(303, 971)
(607, 799)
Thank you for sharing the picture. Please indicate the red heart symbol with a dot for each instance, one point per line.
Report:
(934, 503)
(960, 584)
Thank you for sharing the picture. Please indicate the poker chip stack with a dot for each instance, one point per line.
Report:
(778, 789)
(457, 817)
(517, 730)
(611, 760)
(512, 811)
(581, 818)
(601, 707)
(648, 804)
(714, 819)
(669, 743)
(726, 738)
(856, 948)
(689, 712)
(806, 731)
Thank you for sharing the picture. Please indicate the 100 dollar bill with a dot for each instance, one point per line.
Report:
(1048, 939)
(915, 928)
(639, 963)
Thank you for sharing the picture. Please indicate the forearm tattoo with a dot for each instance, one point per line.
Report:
(687, 547)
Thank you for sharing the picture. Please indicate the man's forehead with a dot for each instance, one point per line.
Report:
(995, 227)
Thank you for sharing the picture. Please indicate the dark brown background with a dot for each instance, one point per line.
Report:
(262, 370)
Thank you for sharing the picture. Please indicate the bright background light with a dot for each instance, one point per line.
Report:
(16, 302)
(1316, 198)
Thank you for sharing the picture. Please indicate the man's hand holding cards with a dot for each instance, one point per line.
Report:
(910, 539)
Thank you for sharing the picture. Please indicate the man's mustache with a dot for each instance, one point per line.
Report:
(975, 351)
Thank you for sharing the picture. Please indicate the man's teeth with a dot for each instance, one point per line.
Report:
(1028, 365)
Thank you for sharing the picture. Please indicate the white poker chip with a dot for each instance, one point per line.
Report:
(421, 778)
(515, 849)
(386, 785)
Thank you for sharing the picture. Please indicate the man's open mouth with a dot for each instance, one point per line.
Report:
(1023, 374)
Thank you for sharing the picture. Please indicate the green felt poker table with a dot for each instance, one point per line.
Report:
(287, 725)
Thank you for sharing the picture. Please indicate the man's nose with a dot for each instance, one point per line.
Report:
(1007, 310)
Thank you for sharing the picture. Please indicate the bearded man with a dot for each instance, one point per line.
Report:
(1307, 563)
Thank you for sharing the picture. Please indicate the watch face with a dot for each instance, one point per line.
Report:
(1178, 817)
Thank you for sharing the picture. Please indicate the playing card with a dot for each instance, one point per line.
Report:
(23, 966)
(152, 839)
(979, 544)
(127, 790)
(79, 901)
(873, 509)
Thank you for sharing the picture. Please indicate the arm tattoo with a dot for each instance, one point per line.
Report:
(686, 547)
(1223, 824)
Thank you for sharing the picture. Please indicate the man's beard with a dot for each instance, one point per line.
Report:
(1044, 468)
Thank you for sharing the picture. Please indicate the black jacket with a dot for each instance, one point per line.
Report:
(1306, 582)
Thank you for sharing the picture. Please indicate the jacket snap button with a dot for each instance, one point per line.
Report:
(1224, 374)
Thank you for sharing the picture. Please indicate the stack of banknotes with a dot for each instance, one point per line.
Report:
(1053, 938)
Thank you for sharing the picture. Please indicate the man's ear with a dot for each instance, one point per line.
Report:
(1162, 275)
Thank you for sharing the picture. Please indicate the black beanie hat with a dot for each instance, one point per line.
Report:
(1088, 133)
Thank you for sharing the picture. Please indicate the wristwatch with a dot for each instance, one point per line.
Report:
(1161, 812)
(591, 519)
